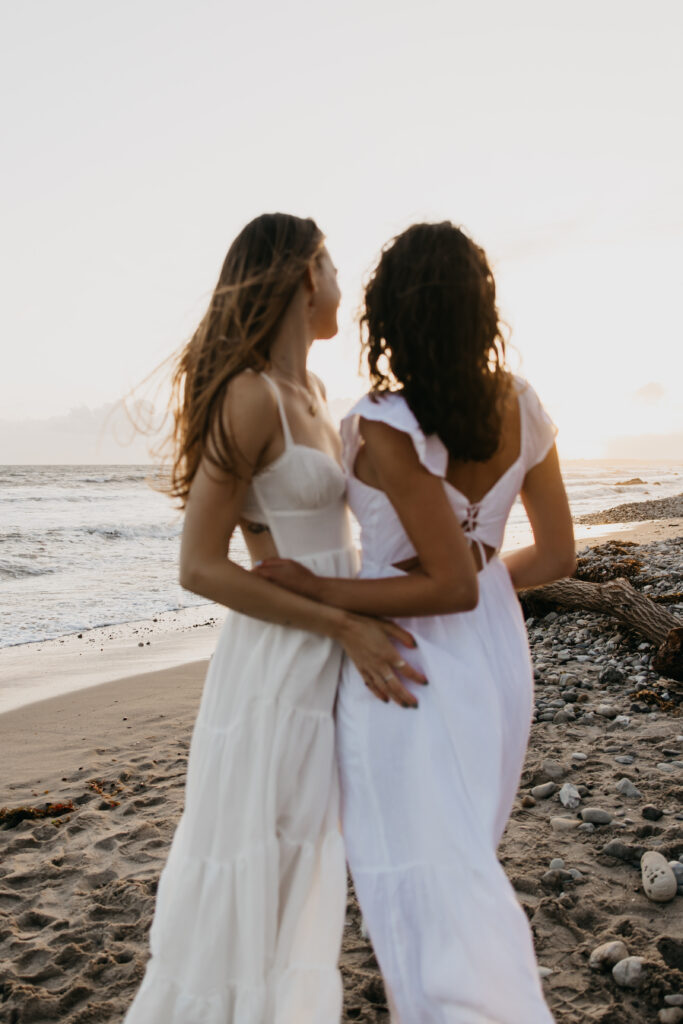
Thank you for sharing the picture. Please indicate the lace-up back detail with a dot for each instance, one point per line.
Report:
(384, 540)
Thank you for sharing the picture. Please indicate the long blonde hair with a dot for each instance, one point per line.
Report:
(263, 268)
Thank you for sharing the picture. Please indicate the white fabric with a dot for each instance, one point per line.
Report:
(250, 906)
(426, 794)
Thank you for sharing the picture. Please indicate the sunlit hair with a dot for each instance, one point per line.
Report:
(261, 273)
(430, 327)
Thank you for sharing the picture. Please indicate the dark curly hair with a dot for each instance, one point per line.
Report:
(430, 327)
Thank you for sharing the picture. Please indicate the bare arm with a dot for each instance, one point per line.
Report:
(213, 510)
(447, 580)
(552, 555)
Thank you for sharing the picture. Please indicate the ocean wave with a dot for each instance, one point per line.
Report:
(157, 531)
(17, 570)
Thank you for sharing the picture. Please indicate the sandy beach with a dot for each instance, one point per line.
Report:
(77, 886)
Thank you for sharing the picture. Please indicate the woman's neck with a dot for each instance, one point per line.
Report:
(289, 351)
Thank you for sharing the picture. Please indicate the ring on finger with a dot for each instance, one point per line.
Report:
(388, 678)
(399, 664)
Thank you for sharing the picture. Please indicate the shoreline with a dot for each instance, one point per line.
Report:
(47, 669)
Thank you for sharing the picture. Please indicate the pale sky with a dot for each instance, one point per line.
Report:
(139, 138)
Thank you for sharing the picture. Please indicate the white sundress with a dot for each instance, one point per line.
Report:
(426, 793)
(251, 902)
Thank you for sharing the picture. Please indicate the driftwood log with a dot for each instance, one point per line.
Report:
(623, 602)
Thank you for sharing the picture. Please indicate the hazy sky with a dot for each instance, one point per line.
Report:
(139, 137)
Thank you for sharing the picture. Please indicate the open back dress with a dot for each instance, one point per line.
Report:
(250, 906)
(426, 793)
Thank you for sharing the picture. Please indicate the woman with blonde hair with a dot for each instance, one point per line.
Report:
(250, 905)
(436, 455)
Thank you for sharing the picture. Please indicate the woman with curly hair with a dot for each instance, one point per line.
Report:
(250, 905)
(435, 456)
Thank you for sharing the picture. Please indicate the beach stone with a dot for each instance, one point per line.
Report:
(627, 788)
(623, 851)
(562, 716)
(659, 881)
(528, 801)
(553, 769)
(624, 720)
(576, 874)
(629, 972)
(596, 815)
(556, 878)
(586, 826)
(625, 759)
(543, 972)
(607, 711)
(651, 812)
(677, 869)
(670, 1015)
(675, 999)
(667, 766)
(607, 955)
(558, 863)
(564, 824)
(569, 796)
(579, 756)
(611, 675)
(545, 790)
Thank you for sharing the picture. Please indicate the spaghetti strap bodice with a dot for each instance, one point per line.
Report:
(300, 497)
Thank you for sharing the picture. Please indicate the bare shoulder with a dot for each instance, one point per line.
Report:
(249, 415)
(249, 404)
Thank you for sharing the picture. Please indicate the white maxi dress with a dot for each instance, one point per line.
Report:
(426, 794)
(251, 902)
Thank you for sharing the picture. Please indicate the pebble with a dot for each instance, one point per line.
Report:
(659, 881)
(587, 826)
(528, 801)
(666, 766)
(611, 675)
(553, 769)
(627, 788)
(623, 851)
(570, 796)
(624, 720)
(651, 812)
(607, 711)
(543, 972)
(607, 955)
(676, 999)
(629, 972)
(625, 759)
(677, 869)
(545, 790)
(558, 863)
(563, 824)
(672, 1015)
(596, 815)
(578, 756)
(556, 878)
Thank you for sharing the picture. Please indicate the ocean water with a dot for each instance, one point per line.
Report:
(85, 546)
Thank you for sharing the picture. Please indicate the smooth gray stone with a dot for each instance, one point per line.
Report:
(596, 815)
(623, 851)
(629, 972)
(544, 790)
(627, 788)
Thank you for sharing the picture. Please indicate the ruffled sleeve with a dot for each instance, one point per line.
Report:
(391, 408)
(539, 431)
